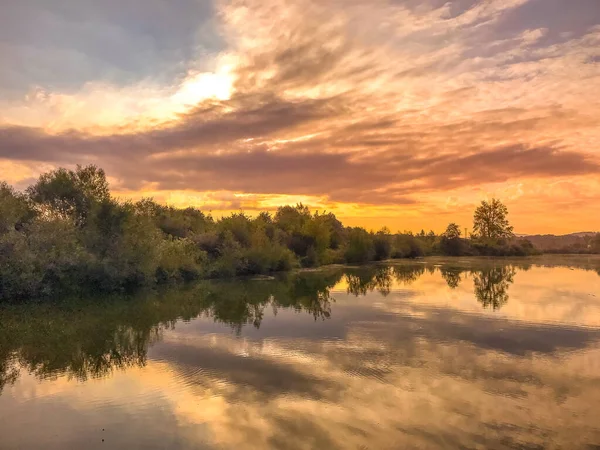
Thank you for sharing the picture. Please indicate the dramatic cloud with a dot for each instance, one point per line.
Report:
(353, 105)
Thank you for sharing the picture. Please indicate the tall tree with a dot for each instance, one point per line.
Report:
(490, 221)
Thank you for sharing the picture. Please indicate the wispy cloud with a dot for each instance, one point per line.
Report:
(367, 103)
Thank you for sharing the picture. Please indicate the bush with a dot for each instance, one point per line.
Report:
(180, 259)
(360, 246)
(44, 258)
(334, 256)
(455, 247)
(382, 246)
(15, 209)
(260, 261)
(407, 246)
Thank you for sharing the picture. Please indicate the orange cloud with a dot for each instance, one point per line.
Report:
(360, 104)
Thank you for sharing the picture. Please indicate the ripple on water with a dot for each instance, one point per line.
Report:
(472, 357)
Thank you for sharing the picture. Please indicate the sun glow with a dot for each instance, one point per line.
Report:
(99, 108)
(204, 86)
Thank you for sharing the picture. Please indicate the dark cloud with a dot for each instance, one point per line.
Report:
(387, 176)
(364, 180)
(63, 44)
(201, 128)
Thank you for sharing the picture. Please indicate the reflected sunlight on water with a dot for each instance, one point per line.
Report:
(439, 353)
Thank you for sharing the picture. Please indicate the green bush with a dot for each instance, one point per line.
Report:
(180, 259)
(407, 246)
(360, 246)
(383, 245)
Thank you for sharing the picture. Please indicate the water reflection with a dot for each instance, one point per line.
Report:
(491, 286)
(452, 276)
(349, 357)
(92, 338)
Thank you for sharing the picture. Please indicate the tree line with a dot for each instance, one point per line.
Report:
(67, 233)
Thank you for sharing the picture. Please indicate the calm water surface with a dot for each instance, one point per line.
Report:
(432, 354)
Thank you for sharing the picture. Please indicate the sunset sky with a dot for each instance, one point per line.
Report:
(404, 113)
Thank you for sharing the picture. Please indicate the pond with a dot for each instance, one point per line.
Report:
(436, 353)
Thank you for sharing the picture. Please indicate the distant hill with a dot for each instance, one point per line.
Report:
(582, 234)
(580, 241)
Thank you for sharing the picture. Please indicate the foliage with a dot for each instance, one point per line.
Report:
(16, 209)
(70, 194)
(452, 231)
(490, 222)
(382, 242)
(407, 246)
(360, 246)
(67, 234)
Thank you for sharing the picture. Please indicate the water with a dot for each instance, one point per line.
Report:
(433, 354)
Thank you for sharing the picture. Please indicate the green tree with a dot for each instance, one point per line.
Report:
(360, 246)
(383, 244)
(15, 210)
(490, 222)
(407, 245)
(70, 193)
(292, 218)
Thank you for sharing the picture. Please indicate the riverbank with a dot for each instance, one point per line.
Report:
(67, 235)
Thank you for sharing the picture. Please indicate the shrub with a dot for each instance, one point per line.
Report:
(360, 246)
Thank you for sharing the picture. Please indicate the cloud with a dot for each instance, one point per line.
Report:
(372, 103)
(68, 43)
(384, 178)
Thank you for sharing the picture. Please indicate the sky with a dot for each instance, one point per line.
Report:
(397, 113)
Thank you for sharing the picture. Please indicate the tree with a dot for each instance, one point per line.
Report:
(292, 218)
(70, 193)
(383, 244)
(490, 222)
(15, 210)
(360, 246)
(452, 231)
(451, 244)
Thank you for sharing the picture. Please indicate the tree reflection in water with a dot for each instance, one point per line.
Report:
(86, 338)
(452, 276)
(491, 285)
